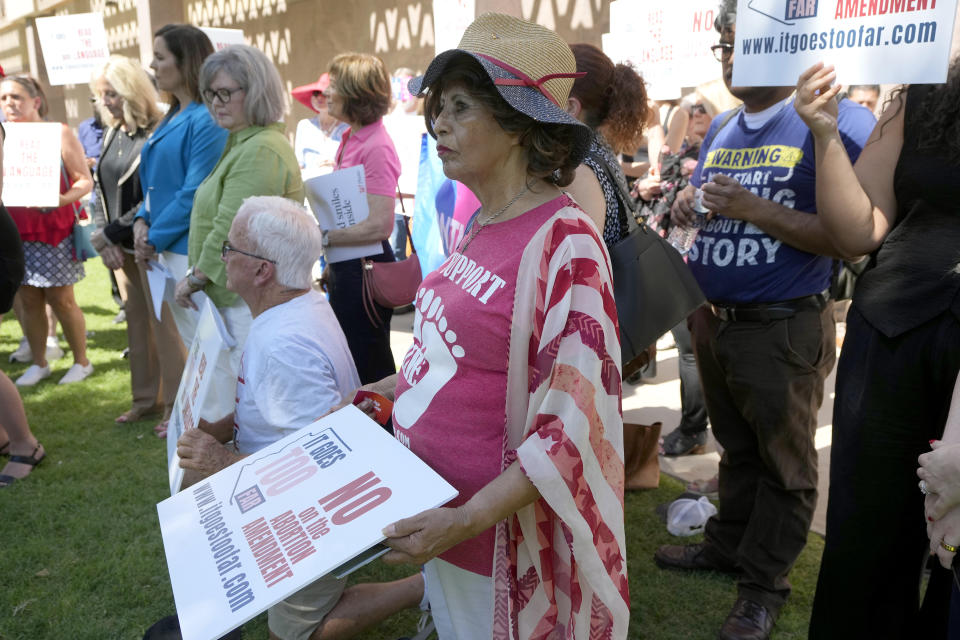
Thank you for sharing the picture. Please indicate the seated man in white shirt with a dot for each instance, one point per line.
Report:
(295, 367)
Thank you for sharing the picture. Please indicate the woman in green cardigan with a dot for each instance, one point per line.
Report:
(243, 91)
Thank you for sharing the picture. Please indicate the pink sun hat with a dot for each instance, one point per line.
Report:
(304, 94)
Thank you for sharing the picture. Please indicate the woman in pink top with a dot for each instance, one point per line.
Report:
(359, 94)
(511, 390)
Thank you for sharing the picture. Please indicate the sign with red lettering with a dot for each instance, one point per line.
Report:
(31, 164)
(308, 505)
(209, 340)
(869, 41)
(668, 43)
(222, 38)
(74, 46)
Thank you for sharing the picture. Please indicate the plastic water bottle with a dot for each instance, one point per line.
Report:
(681, 238)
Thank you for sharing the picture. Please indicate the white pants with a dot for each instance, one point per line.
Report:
(222, 393)
(461, 602)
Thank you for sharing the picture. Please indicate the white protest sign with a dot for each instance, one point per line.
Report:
(339, 200)
(161, 283)
(207, 344)
(654, 59)
(73, 46)
(450, 19)
(675, 37)
(222, 38)
(696, 34)
(267, 526)
(869, 41)
(31, 164)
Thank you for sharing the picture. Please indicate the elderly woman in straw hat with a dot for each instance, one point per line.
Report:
(517, 331)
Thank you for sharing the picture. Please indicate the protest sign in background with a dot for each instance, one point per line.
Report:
(272, 523)
(869, 41)
(668, 43)
(222, 38)
(450, 19)
(73, 46)
(31, 164)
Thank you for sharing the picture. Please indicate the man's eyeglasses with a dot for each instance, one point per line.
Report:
(226, 247)
(223, 94)
(722, 50)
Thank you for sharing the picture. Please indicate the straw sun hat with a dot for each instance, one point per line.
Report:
(532, 67)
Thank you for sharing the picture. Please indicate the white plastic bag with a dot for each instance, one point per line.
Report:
(687, 517)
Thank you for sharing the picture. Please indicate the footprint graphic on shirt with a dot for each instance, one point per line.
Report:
(430, 363)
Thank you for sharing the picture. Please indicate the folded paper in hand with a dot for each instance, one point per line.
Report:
(339, 200)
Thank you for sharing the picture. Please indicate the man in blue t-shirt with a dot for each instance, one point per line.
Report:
(766, 341)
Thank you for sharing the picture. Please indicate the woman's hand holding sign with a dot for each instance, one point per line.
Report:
(816, 101)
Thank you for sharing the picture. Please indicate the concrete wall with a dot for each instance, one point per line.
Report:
(299, 36)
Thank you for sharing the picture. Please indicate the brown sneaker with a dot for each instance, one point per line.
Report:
(748, 620)
(690, 557)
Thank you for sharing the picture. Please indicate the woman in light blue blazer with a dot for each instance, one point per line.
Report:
(181, 152)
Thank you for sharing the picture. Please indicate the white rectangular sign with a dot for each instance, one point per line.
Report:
(450, 19)
(339, 200)
(869, 41)
(654, 59)
(161, 283)
(73, 46)
(670, 42)
(207, 344)
(267, 526)
(31, 164)
(222, 38)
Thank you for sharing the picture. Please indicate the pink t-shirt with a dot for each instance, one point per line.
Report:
(372, 147)
(451, 389)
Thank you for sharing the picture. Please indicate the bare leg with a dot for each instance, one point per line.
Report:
(71, 318)
(366, 605)
(51, 322)
(18, 308)
(33, 321)
(15, 427)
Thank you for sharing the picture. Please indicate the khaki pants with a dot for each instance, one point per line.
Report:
(157, 354)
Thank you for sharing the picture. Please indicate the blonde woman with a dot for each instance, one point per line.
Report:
(128, 105)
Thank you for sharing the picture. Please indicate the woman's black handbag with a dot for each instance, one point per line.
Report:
(654, 290)
(652, 285)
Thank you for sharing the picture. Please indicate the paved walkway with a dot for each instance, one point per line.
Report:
(658, 399)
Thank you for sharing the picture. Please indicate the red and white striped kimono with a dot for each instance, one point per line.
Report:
(560, 564)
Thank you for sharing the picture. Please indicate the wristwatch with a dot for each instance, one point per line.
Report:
(194, 281)
(326, 238)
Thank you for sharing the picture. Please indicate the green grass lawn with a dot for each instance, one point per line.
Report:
(80, 550)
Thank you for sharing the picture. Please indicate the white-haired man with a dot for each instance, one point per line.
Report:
(295, 367)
